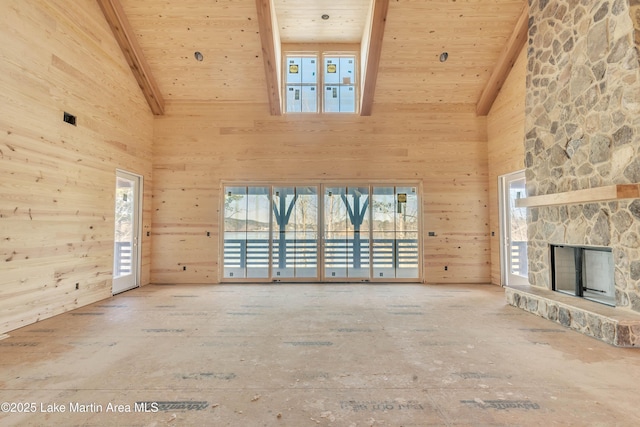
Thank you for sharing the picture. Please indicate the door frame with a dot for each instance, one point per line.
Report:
(506, 278)
(136, 255)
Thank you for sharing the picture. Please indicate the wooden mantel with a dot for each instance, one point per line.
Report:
(589, 195)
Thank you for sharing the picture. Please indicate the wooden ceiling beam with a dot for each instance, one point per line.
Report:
(270, 48)
(113, 12)
(505, 62)
(371, 55)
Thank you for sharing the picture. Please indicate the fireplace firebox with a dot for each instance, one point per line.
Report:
(584, 271)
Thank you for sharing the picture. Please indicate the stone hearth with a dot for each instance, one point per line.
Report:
(613, 326)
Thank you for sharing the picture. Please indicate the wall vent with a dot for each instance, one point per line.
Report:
(69, 118)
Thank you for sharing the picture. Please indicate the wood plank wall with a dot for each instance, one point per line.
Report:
(56, 180)
(197, 146)
(505, 129)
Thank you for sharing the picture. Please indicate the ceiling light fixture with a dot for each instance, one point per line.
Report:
(444, 56)
(325, 16)
(198, 55)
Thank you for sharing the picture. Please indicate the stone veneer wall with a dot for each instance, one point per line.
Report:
(582, 130)
(635, 17)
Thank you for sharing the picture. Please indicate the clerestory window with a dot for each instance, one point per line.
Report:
(320, 83)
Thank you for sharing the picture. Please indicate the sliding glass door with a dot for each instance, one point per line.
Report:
(335, 233)
(246, 232)
(321, 232)
(396, 249)
(346, 233)
(358, 232)
(295, 232)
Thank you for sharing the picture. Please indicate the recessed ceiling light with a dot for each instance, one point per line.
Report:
(198, 56)
(444, 56)
(325, 16)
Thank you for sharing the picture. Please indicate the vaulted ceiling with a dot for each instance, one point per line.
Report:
(301, 21)
(474, 33)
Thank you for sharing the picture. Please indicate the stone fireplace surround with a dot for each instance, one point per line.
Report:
(582, 134)
(615, 326)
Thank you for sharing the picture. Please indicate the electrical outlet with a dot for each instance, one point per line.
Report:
(184, 268)
(446, 268)
(69, 118)
(432, 234)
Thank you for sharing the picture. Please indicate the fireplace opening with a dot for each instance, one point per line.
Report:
(584, 271)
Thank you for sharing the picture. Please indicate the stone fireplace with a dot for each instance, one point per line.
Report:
(582, 137)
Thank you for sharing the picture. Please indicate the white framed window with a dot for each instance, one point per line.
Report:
(320, 82)
(339, 84)
(301, 83)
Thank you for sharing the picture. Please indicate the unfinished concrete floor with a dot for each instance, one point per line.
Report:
(307, 355)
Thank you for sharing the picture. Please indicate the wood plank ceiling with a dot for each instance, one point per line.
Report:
(300, 21)
(417, 32)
